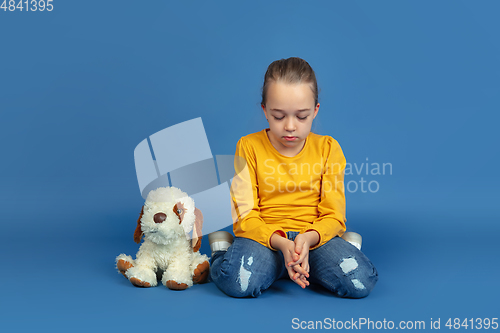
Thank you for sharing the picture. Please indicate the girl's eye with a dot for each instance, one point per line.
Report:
(303, 118)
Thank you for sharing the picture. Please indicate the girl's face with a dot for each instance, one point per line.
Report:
(290, 111)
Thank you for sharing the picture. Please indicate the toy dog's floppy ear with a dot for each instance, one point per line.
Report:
(198, 224)
(138, 229)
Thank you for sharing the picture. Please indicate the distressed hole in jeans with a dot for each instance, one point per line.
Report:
(358, 284)
(348, 265)
(245, 274)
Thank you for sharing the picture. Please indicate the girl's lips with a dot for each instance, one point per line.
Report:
(290, 138)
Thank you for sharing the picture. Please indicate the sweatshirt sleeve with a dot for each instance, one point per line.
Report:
(331, 218)
(244, 194)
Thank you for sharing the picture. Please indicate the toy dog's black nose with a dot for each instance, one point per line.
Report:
(159, 217)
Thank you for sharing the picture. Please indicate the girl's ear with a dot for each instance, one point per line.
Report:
(138, 229)
(316, 109)
(265, 111)
(197, 235)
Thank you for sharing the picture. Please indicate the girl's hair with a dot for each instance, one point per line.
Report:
(291, 70)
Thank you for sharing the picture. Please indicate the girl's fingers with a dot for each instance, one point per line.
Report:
(298, 278)
(306, 266)
(299, 259)
(298, 281)
(305, 263)
(301, 282)
(291, 274)
(289, 256)
(303, 278)
(299, 269)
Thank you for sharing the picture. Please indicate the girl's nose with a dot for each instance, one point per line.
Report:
(290, 125)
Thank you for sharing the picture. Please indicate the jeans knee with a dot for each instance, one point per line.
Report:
(235, 281)
(239, 293)
(358, 293)
(364, 281)
(235, 285)
(354, 278)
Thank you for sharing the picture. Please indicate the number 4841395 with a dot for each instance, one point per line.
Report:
(27, 5)
(477, 323)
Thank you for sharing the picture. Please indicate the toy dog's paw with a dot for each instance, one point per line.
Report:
(123, 266)
(177, 277)
(123, 263)
(141, 276)
(200, 274)
(139, 283)
(170, 284)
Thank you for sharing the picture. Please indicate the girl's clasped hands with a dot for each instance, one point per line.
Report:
(296, 254)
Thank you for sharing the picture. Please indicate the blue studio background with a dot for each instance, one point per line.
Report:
(410, 83)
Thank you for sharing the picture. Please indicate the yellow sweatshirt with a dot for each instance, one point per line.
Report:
(275, 193)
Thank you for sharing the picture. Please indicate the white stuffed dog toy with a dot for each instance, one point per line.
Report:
(166, 219)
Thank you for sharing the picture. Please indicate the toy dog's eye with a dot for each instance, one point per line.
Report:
(179, 210)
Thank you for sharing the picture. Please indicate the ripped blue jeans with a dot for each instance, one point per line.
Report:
(248, 268)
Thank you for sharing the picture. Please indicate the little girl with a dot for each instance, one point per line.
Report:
(288, 198)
